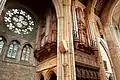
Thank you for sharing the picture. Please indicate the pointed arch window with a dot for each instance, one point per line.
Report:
(13, 49)
(1, 45)
(26, 52)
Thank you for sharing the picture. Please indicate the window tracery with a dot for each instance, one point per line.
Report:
(1, 44)
(25, 53)
(13, 49)
(19, 21)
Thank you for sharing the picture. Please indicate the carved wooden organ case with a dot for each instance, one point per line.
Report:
(85, 48)
(47, 43)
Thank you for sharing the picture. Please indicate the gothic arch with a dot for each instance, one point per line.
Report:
(41, 77)
(27, 43)
(58, 7)
(106, 16)
(104, 45)
(50, 73)
(4, 38)
(3, 43)
(15, 41)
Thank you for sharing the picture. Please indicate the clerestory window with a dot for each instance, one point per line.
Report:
(1, 45)
(13, 49)
(25, 53)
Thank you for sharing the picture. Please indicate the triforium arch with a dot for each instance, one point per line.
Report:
(41, 77)
(51, 75)
(106, 18)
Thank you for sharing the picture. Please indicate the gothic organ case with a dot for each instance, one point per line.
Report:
(47, 37)
(85, 47)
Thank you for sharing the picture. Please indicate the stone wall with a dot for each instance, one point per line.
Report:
(16, 71)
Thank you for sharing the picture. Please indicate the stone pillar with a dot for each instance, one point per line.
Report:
(114, 48)
(65, 61)
(68, 36)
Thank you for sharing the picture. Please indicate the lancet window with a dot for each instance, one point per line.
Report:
(13, 49)
(1, 45)
(26, 52)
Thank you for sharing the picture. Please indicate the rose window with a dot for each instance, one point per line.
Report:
(19, 21)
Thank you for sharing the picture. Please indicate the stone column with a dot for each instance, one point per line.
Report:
(114, 48)
(65, 61)
(69, 61)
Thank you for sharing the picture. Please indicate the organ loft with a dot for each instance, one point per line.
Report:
(59, 39)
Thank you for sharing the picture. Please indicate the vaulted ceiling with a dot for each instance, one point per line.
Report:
(116, 13)
(100, 6)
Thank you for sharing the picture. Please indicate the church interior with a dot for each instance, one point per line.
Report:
(59, 39)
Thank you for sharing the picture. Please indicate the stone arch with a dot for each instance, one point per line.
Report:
(15, 41)
(41, 77)
(58, 7)
(4, 39)
(106, 19)
(51, 74)
(106, 16)
(27, 43)
(3, 43)
(105, 47)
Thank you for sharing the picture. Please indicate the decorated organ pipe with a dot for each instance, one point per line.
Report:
(48, 30)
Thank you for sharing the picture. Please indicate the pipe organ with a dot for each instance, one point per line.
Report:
(47, 37)
(85, 48)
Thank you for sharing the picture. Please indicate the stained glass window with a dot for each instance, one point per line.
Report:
(19, 21)
(13, 49)
(1, 44)
(25, 53)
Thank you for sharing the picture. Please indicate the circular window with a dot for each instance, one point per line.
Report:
(19, 21)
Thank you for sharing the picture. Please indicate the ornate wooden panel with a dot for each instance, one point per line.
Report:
(83, 58)
(83, 73)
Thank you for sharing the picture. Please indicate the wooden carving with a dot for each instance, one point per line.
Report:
(81, 27)
(83, 41)
(85, 73)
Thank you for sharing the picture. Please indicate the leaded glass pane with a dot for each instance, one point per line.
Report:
(10, 50)
(13, 49)
(1, 45)
(25, 53)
